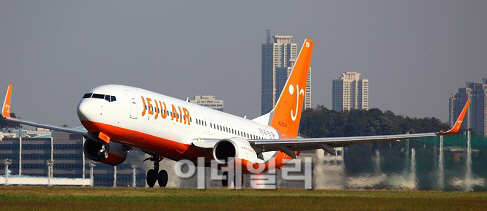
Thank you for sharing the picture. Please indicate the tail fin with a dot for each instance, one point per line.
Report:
(286, 115)
(6, 103)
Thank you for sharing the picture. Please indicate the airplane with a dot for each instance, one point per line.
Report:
(118, 117)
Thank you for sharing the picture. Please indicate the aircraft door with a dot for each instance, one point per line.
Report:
(133, 104)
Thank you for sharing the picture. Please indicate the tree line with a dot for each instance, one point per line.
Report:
(323, 122)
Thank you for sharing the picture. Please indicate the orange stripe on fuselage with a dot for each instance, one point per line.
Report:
(167, 148)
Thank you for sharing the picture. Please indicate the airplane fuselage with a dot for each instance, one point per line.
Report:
(162, 124)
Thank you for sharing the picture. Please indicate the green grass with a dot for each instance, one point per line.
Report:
(83, 198)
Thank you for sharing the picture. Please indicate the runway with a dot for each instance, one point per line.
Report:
(82, 198)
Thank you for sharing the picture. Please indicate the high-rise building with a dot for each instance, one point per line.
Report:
(476, 117)
(278, 58)
(208, 101)
(350, 92)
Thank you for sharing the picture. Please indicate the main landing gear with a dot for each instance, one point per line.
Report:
(152, 175)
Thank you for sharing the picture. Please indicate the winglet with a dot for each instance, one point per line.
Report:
(458, 123)
(6, 103)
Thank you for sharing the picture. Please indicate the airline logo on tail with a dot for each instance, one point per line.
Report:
(286, 115)
(301, 92)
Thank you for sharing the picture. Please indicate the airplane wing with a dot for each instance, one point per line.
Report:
(6, 116)
(288, 146)
(300, 144)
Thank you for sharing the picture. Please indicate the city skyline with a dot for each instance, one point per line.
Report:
(417, 53)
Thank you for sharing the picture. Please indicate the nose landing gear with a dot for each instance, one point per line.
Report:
(152, 175)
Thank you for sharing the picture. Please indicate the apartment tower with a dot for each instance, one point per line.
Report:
(350, 92)
(278, 57)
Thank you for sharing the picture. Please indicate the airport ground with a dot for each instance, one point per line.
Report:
(89, 198)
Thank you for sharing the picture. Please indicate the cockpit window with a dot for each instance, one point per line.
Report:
(108, 98)
(87, 95)
(100, 96)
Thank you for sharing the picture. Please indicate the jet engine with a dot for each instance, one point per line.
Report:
(238, 148)
(112, 153)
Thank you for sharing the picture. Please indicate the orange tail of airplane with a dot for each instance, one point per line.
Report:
(286, 115)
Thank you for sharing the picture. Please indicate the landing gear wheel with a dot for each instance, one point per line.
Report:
(162, 179)
(225, 179)
(151, 177)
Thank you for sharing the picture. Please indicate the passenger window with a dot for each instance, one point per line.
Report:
(107, 98)
(87, 95)
(113, 99)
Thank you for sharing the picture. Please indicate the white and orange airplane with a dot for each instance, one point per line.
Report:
(118, 118)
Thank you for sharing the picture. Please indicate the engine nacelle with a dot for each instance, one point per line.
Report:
(238, 148)
(117, 153)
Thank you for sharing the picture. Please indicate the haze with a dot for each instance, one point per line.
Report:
(414, 53)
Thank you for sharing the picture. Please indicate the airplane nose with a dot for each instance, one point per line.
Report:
(86, 110)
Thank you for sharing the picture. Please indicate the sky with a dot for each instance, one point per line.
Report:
(414, 53)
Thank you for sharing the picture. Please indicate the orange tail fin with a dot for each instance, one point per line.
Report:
(286, 115)
(6, 103)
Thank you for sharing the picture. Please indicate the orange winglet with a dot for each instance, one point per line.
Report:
(104, 137)
(459, 121)
(7, 102)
